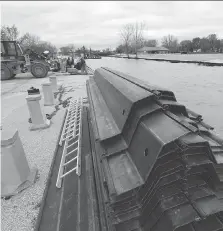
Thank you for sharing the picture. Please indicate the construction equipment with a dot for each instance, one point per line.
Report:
(15, 61)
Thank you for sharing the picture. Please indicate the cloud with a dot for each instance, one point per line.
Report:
(97, 23)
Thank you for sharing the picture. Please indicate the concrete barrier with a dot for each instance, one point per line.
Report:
(37, 115)
(72, 71)
(16, 174)
(48, 94)
(53, 81)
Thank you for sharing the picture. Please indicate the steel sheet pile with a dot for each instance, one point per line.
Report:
(157, 164)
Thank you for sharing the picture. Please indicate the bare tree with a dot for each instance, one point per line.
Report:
(205, 45)
(65, 50)
(186, 46)
(29, 41)
(138, 35)
(9, 33)
(213, 41)
(126, 36)
(71, 48)
(170, 42)
(33, 42)
(196, 43)
(221, 45)
(120, 49)
(150, 43)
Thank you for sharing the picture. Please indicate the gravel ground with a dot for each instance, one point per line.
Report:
(19, 213)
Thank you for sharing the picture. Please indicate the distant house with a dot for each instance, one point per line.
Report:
(153, 50)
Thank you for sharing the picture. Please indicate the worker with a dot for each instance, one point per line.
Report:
(72, 61)
(46, 54)
(58, 64)
(81, 65)
(69, 63)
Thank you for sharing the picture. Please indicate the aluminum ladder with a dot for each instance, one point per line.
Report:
(71, 134)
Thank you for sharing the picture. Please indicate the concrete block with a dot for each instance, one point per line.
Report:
(72, 71)
(37, 115)
(16, 174)
(53, 81)
(48, 94)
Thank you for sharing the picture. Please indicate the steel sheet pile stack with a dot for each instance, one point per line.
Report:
(157, 164)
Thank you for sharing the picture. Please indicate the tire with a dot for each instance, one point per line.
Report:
(39, 70)
(6, 73)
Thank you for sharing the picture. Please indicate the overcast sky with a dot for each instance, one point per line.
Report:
(97, 24)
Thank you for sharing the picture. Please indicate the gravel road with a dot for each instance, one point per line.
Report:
(19, 213)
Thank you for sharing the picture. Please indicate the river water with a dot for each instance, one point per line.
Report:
(200, 88)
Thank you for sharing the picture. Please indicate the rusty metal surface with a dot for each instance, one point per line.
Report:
(164, 169)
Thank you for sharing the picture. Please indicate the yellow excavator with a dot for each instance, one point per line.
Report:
(15, 61)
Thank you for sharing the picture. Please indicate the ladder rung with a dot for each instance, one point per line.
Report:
(70, 131)
(72, 144)
(73, 101)
(68, 125)
(74, 104)
(77, 133)
(73, 110)
(70, 114)
(70, 161)
(72, 137)
(70, 121)
(71, 151)
(68, 172)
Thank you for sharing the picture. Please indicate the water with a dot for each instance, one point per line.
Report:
(200, 88)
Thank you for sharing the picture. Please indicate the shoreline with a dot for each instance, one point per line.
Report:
(203, 63)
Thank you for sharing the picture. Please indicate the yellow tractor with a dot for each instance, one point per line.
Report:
(15, 61)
